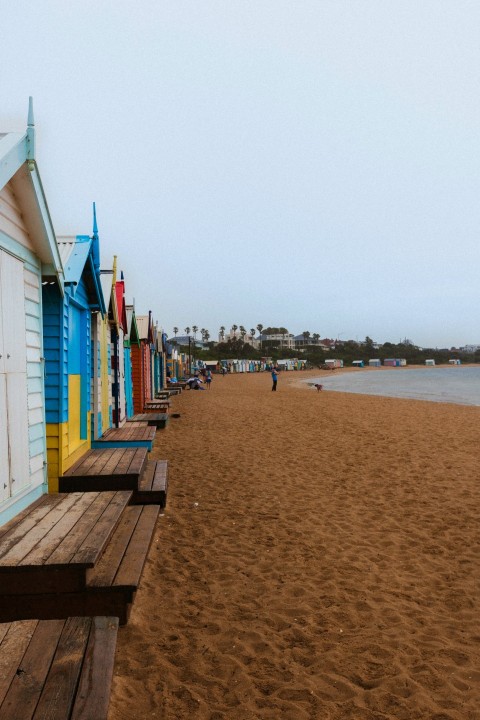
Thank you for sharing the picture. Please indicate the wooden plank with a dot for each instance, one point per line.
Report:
(103, 574)
(86, 460)
(88, 602)
(94, 544)
(12, 650)
(125, 462)
(70, 544)
(110, 467)
(160, 479)
(31, 672)
(24, 545)
(58, 694)
(32, 513)
(134, 559)
(93, 694)
(138, 462)
(55, 537)
(146, 481)
(102, 460)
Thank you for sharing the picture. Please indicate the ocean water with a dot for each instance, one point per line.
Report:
(453, 384)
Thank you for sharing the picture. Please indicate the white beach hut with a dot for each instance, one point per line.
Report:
(29, 256)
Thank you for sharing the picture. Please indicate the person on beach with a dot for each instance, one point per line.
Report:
(208, 378)
(274, 378)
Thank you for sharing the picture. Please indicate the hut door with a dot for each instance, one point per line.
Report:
(14, 450)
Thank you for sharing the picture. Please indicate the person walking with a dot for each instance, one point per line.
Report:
(274, 378)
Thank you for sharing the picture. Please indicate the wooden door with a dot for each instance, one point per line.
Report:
(15, 470)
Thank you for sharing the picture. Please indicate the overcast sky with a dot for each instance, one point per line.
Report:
(307, 163)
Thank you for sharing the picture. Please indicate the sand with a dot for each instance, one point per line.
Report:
(318, 558)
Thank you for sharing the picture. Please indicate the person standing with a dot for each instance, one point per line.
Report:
(274, 379)
(208, 378)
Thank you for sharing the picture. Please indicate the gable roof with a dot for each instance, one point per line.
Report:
(19, 168)
(77, 255)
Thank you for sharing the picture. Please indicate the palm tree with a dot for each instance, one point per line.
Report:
(202, 333)
(234, 330)
(206, 336)
(175, 331)
(316, 338)
(187, 331)
(194, 330)
(222, 333)
(243, 332)
(306, 335)
(260, 328)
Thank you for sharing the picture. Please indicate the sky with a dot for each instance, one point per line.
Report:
(312, 164)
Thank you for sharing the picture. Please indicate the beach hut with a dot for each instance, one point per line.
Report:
(374, 363)
(72, 346)
(119, 388)
(115, 322)
(131, 340)
(29, 258)
(331, 363)
(455, 361)
(141, 363)
(430, 363)
(358, 363)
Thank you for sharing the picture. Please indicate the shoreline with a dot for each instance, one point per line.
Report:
(318, 557)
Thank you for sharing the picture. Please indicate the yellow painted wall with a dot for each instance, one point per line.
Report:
(60, 456)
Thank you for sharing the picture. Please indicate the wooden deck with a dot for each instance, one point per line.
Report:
(106, 469)
(128, 436)
(114, 469)
(58, 669)
(157, 419)
(77, 554)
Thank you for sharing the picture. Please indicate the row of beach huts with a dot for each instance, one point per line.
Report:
(75, 358)
(85, 384)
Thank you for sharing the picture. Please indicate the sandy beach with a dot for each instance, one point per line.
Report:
(318, 558)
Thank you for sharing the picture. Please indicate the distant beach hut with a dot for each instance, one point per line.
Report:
(131, 340)
(390, 362)
(429, 363)
(29, 259)
(374, 363)
(455, 361)
(334, 363)
(358, 363)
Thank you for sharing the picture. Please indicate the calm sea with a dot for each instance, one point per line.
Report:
(455, 384)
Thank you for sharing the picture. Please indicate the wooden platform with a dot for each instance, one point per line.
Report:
(156, 407)
(74, 554)
(128, 436)
(157, 419)
(58, 669)
(153, 486)
(48, 547)
(115, 469)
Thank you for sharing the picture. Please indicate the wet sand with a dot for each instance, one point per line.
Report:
(318, 558)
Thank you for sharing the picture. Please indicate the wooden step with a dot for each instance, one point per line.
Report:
(119, 571)
(60, 669)
(48, 547)
(128, 436)
(153, 484)
(105, 469)
(158, 420)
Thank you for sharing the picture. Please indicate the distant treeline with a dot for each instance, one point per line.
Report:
(348, 351)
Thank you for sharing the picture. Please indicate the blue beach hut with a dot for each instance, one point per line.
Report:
(71, 346)
(29, 258)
